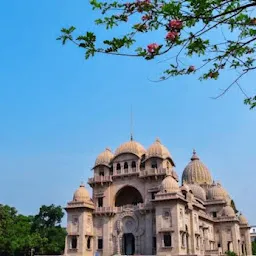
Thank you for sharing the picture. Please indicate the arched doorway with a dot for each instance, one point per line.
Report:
(128, 244)
(128, 195)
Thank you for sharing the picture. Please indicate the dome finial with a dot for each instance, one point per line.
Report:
(158, 140)
(131, 124)
(194, 156)
(82, 184)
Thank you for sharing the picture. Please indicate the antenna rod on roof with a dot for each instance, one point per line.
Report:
(131, 124)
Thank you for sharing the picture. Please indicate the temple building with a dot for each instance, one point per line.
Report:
(138, 207)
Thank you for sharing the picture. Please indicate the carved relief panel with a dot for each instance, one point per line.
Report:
(166, 218)
(89, 223)
(75, 224)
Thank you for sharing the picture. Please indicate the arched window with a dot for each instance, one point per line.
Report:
(125, 165)
(101, 171)
(133, 164)
(167, 240)
(127, 196)
(118, 166)
(168, 165)
(73, 242)
(89, 243)
(111, 171)
(154, 163)
(142, 166)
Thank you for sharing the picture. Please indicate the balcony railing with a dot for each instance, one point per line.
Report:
(127, 171)
(155, 172)
(113, 210)
(100, 179)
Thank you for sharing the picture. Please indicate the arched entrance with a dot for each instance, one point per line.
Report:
(128, 195)
(128, 244)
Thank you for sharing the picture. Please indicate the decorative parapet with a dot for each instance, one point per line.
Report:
(100, 180)
(111, 210)
(226, 219)
(155, 172)
(126, 172)
(75, 204)
(107, 210)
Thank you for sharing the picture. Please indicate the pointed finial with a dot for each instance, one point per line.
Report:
(194, 156)
(82, 184)
(131, 124)
(108, 149)
(158, 140)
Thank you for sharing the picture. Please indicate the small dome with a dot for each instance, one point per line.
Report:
(228, 211)
(175, 175)
(169, 185)
(243, 220)
(132, 147)
(104, 158)
(217, 192)
(198, 191)
(81, 194)
(196, 172)
(157, 149)
(184, 187)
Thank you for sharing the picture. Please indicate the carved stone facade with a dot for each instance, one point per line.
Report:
(139, 208)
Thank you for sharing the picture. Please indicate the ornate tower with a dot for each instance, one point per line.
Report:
(79, 240)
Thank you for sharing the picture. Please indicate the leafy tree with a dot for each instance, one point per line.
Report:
(20, 234)
(254, 248)
(233, 205)
(229, 253)
(47, 223)
(220, 34)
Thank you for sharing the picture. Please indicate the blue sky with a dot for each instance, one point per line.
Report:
(59, 111)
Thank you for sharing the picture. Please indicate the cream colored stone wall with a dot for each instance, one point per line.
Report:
(190, 222)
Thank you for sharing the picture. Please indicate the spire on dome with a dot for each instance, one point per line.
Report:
(194, 156)
(158, 140)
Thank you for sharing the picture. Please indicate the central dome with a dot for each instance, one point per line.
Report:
(131, 147)
(196, 172)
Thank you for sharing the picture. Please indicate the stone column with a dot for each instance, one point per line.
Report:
(192, 233)
(148, 234)
(234, 239)
(224, 245)
(137, 245)
(118, 244)
(248, 244)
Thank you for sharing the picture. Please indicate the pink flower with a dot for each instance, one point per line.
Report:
(171, 36)
(152, 47)
(177, 24)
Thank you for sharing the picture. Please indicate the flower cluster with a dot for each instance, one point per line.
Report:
(140, 6)
(152, 48)
(171, 35)
(174, 26)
